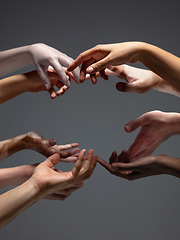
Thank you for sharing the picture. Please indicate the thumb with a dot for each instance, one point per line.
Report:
(98, 66)
(52, 160)
(134, 124)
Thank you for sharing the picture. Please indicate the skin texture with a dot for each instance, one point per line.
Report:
(156, 127)
(30, 82)
(42, 56)
(138, 80)
(44, 181)
(32, 140)
(100, 57)
(121, 166)
(36, 142)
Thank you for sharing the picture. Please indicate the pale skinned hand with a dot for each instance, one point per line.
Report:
(42, 56)
(49, 181)
(121, 166)
(98, 58)
(156, 127)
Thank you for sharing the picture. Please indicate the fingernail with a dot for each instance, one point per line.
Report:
(47, 86)
(52, 142)
(128, 128)
(90, 70)
(114, 166)
(119, 86)
(111, 68)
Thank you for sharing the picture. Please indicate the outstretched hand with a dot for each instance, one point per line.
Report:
(156, 127)
(49, 181)
(36, 142)
(44, 56)
(121, 166)
(98, 58)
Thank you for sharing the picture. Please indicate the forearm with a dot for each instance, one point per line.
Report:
(15, 176)
(163, 63)
(164, 86)
(17, 200)
(14, 59)
(11, 146)
(170, 165)
(12, 86)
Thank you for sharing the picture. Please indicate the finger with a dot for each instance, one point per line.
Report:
(87, 164)
(134, 124)
(79, 163)
(52, 160)
(98, 66)
(93, 78)
(71, 76)
(83, 69)
(103, 74)
(52, 93)
(132, 166)
(105, 165)
(123, 156)
(67, 146)
(113, 157)
(67, 61)
(80, 59)
(57, 196)
(60, 71)
(71, 189)
(44, 76)
(52, 142)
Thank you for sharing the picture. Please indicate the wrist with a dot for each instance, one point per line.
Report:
(173, 120)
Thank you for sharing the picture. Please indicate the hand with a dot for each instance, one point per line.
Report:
(36, 142)
(60, 195)
(34, 83)
(104, 56)
(138, 80)
(44, 56)
(121, 166)
(47, 181)
(156, 127)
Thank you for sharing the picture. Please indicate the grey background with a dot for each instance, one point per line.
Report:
(106, 207)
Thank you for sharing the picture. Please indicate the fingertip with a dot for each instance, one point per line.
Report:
(119, 86)
(52, 142)
(90, 70)
(128, 128)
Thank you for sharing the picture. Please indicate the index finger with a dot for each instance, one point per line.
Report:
(81, 58)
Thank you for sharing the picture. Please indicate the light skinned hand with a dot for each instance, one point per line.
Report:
(49, 181)
(156, 127)
(34, 83)
(59, 195)
(98, 58)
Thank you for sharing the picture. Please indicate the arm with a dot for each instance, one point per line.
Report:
(42, 56)
(29, 82)
(44, 181)
(36, 142)
(156, 127)
(161, 62)
(121, 166)
(18, 175)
